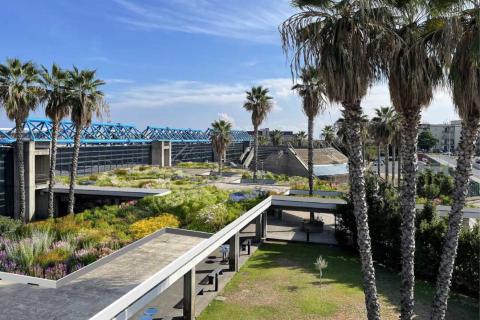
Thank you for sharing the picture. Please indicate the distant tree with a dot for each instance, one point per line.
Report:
(263, 141)
(259, 103)
(382, 130)
(328, 134)
(276, 136)
(221, 138)
(300, 137)
(311, 89)
(426, 140)
(19, 94)
(57, 107)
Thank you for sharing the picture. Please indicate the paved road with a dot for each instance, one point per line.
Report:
(452, 162)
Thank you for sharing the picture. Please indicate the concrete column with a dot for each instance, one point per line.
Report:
(258, 228)
(167, 153)
(161, 153)
(189, 295)
(264, 225)
(29, 161)
(234, 252)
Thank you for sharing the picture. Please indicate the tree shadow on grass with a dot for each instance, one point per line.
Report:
(344, 268)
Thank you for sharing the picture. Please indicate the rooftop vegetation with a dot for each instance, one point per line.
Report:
(55, 247)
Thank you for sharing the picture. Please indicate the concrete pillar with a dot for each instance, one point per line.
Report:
(161, 153)
(234, 252)
(29, 162)
(189, 295)
(264, 225)
(258, 228)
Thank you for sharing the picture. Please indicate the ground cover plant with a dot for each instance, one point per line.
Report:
(280, 282)
(54, 248)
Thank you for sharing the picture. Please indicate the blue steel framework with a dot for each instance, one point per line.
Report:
(40, 130)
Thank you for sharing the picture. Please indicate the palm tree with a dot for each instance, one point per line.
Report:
(221, 138)
(382, 129)
(19, 94)
(57, 107)
(300, 138)
(396, 143)
(339, 37)
(276, 136)
(86, 100)
(413, 72)
(263, 141)
(311, 90)
(464, 79)
(259, 103)
(328, 134)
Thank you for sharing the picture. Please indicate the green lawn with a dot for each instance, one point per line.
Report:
(280, 282)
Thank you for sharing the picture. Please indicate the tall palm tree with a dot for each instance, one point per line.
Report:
(276, 136)
(300, 137)
(339, 36)
(328, 134)
(19, 94)
(413, 72)
(221, 138)
(57, 108)
(311, 89)
(464, 79)
(382, 127)
(259, 103)
(86, 100)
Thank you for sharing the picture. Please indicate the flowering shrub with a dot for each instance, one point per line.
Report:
(147, 226)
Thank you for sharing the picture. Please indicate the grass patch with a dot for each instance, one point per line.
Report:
(280, 282)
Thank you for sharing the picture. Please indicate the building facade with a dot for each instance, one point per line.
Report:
(447, 134)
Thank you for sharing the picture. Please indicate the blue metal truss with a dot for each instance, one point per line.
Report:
(40, 130)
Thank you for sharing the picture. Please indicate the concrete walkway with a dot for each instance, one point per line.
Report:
(167, 302)
(289, 228)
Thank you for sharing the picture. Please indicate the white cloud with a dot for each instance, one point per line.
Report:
(119, 81)
(199, 103)
(171, 93)
(248, 20)
(224, 116)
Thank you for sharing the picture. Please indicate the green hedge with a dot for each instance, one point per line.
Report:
(384, 221)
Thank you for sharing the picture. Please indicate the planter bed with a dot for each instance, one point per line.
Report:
(48, 283)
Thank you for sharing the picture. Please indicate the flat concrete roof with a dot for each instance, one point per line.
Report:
(111, 191)
(89, 294)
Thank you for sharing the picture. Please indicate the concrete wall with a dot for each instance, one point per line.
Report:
(162, 153)
(285, 162)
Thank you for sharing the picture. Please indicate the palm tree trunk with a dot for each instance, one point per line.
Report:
(387, 161)
(73, 171)
(353, 114)
(20, 169)
(310, 163)
(410, 126)
(394, 155)
(466, 151)
(400, 164)
(364, 153)
(255, 153)
(378, 160)
(53, 161)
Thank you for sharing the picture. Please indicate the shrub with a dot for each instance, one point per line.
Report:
(8, 225)
(211, 218)
(384, 222)
(121, 172)
(52, 257)
(147, 226)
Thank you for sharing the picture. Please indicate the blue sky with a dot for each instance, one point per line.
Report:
(177, 63)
